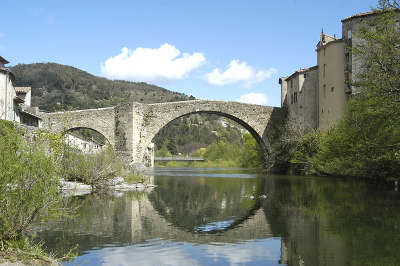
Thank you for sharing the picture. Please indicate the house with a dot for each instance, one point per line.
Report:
(86, 146)
(317, 97)
(15, 102)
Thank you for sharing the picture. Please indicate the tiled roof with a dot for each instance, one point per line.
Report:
(3, 61)
(18, 99)
(22, 89)
(7, 70)
(360, 15)
(28, 113)
(364, 14)
(301, 71)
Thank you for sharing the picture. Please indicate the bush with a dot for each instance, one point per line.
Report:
(28, 182)
(95, 170)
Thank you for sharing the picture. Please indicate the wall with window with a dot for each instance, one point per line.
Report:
(350, 28)
(300, 100)
(7, 95)
(332, 98)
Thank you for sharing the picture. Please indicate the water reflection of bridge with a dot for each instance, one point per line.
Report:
(147, 223)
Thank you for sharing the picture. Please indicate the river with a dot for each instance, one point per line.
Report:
(233, 217)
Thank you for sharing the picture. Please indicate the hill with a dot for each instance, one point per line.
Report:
(60, 87)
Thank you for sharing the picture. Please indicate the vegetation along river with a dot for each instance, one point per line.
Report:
(234, 217)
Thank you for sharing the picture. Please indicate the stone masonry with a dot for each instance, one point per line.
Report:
(101, 120)
(130, 128)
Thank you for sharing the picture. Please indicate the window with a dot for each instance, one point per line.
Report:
(332, 89)
(291, 83)
(324, 71)
(295, 97)
(349, 34)
(347, 77)
(305, 75)
(347, 57)
(291, 99)
(324, 90)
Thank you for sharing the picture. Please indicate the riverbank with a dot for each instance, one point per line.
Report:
(71, 188)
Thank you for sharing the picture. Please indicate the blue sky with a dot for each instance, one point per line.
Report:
(212, 49)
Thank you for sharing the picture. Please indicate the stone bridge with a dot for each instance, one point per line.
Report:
(130, 128)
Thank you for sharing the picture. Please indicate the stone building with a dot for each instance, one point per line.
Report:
(331, 93)
(8, 97)
(15, 102)
(299, 96)
(336, 70)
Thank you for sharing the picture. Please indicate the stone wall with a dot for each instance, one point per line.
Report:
(301, 99)
(350, 28)
(7, 95)
(101, 120)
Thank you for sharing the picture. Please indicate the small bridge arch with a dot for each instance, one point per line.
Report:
(100, 120)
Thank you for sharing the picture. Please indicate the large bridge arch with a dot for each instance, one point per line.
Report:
(255, 118)
(101, 120)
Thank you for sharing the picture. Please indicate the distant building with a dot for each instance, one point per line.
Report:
(86, 146)
(316, 97)
(15, 102)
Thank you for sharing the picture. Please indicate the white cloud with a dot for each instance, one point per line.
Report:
(146, 64)
(254, 98)
(238, 72)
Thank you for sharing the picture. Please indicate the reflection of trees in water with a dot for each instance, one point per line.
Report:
(333, 222)
(191, 203)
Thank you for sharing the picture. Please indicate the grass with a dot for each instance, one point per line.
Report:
(133, 178)
(26, 252)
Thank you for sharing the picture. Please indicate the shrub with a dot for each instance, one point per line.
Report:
(95, 170)
(28, 182)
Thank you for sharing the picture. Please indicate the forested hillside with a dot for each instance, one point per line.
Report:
(60, 87)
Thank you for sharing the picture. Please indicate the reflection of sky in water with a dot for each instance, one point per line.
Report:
(162, 252)
(213, 226)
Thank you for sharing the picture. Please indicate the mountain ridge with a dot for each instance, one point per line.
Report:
(58, 87)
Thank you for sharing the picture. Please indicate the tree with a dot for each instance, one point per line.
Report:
(367, 142)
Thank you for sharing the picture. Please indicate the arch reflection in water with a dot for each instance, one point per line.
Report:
(206, 202)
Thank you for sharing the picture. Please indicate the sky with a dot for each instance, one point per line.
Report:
(220, 50)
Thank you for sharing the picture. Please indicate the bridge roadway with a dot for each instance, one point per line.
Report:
(179, 159)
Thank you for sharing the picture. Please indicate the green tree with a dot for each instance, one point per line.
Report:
(367, 142)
